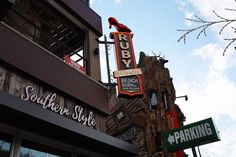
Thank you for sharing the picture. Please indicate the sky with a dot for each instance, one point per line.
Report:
(198, 68)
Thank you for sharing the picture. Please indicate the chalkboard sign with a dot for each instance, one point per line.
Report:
(130, 83)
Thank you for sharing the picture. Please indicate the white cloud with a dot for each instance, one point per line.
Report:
(211, 93)
(91, 2)
(188, 15)
(204, 9)
(118, 1)
(212, 90)
(226, 145)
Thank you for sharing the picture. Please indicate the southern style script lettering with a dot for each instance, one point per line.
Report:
(48, 102)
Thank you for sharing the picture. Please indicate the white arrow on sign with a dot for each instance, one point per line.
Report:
(171, 139)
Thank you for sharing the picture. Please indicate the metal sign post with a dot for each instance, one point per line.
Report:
(194, 152)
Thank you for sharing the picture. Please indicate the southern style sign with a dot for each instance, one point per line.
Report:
(129, 77)
(195, 134)
(49, 102)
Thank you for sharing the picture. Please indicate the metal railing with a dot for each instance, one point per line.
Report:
(43, 38)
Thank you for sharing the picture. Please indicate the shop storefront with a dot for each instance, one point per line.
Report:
(36, 121)
(51, 101)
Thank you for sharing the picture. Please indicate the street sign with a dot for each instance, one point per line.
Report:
(191, 135)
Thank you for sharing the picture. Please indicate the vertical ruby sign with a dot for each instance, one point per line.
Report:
(129, 85)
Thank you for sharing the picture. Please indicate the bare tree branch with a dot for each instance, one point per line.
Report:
(205, 24)
(232, 40)
(230, 9)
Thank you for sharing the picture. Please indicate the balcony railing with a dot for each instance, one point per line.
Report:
(52, 40)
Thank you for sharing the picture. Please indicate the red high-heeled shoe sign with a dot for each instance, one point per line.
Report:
(119, 26)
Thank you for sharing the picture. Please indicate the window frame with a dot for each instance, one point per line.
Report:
(37, 33)
(19, 135)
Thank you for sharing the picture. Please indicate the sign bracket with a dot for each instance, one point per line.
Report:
(105, 42)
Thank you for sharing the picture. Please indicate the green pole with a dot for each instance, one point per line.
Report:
(194, 152)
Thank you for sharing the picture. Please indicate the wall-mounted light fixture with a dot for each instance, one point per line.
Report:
(96, 51)
(120, 115)
(184, 96)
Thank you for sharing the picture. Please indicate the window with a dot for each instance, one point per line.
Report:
(153, 99)
(165, 100)
(28, 144)
(5, 145)
(31, 149)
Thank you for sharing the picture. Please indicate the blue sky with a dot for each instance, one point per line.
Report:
(198, 68)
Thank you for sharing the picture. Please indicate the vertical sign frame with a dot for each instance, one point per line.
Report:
(131, 84)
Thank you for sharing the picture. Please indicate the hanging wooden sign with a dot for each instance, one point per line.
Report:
(129, 84)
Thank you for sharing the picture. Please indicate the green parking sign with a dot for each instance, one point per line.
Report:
(191, 135)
